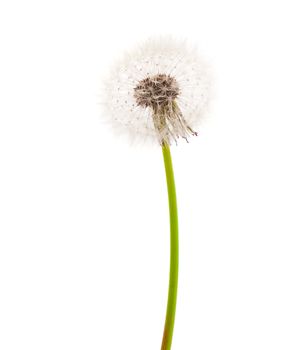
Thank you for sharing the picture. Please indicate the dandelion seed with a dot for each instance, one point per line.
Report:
(166, 82)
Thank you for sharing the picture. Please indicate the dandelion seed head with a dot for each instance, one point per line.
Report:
(159, 91)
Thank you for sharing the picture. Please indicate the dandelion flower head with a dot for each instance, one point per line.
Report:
(159, 91)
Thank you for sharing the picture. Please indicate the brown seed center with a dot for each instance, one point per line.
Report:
(156, 91)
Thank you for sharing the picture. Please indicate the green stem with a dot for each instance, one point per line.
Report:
(173, 281)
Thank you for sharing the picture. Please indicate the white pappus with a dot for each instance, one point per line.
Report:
(158, 91)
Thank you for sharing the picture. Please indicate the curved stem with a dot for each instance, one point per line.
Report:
(173, 281)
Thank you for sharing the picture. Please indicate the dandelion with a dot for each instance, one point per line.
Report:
(160, 92)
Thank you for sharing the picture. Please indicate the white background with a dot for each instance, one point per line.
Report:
(84, 244)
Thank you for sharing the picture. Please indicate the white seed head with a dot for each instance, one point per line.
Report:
(159, 91)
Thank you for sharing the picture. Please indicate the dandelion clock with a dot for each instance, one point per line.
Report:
(159, 92)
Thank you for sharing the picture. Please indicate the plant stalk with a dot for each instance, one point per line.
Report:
(174, 251)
